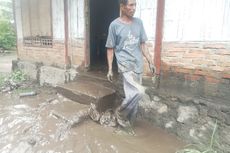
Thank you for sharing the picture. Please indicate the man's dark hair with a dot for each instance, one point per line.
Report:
(124, 2)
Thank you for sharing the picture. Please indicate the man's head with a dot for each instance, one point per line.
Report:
(128, 7)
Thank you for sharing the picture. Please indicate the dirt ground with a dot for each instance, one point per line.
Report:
(28, 125)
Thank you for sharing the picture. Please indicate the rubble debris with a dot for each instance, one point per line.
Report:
(108, 119)
(9, 85)
(93, 113)
(26, 94)
(75, 119)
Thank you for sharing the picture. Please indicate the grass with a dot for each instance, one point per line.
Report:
(204, 148)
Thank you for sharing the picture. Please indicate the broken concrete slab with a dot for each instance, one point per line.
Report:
(29, 68)
(53, 76)
(86, 92)
(70, 111)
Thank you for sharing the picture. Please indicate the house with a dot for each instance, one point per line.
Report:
(188, 39)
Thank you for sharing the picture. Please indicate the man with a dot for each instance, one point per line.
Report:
(126, 38)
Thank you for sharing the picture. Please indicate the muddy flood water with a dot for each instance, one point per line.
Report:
(28, 125)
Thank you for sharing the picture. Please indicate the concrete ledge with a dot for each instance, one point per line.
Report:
(53, 76)
(29, 68)
(45, 74)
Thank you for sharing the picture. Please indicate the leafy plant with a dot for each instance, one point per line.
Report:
(7, 35)
(17, 76)
(203, 148)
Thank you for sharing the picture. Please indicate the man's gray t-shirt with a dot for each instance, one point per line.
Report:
(125, 39)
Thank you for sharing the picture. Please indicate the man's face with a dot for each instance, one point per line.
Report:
(129, 9)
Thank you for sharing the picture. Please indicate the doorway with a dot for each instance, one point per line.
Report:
(102, 13)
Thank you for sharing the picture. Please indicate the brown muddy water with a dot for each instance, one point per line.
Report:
(27, 125)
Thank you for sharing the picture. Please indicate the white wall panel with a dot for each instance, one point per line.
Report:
(197, 20)
(77, 21)
(146, 10)
(58, 19)
(81, 20)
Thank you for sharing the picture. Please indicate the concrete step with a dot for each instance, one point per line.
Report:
(89, 90)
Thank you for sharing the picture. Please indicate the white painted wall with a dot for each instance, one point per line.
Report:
(188, 20)
(185, 20)
(146, 10)
(197, 20)
(77, 22)
(45, 22)
(58, 19)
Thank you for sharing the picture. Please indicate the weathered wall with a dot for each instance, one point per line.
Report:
(77, 32)
(54, 55)
(58, 20)
(194, 92)
(36, 17)
(194, 88)
(77, 51)
(48, 56)
(196, 69)
(191, 20)
(146, 10)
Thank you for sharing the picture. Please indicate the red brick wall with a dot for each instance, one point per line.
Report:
(49, 56)
(196, 59)
(196, 69)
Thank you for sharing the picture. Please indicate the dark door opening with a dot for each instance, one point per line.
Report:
(102, 13)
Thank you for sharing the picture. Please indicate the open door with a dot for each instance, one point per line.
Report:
(102, 13)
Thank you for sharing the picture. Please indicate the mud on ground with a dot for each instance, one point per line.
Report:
(28, 125)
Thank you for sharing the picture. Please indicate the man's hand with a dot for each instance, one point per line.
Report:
(152, 68)
(110, 75)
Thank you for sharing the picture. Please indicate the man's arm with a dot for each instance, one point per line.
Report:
(110, 54)
(145, 52)
(147, 55)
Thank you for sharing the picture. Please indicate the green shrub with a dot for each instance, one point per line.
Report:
(17, 76)
(7, 35)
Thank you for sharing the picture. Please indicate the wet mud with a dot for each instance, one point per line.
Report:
(43, 124)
